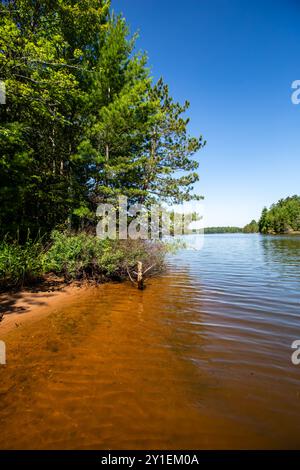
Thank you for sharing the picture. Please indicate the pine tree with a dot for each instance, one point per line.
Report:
(169, 150)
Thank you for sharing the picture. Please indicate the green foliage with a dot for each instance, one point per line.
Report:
(83, 120)
(252, 227)
(46, 49)
(283, 217)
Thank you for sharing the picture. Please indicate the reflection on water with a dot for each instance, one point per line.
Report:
(200, 359)
(281, 251)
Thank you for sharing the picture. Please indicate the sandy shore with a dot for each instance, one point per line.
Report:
(29, 305)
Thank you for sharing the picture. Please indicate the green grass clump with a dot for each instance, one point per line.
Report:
(20, 264)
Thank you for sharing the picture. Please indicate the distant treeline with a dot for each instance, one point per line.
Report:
(249, 228)
(210, 230)
(282, 217)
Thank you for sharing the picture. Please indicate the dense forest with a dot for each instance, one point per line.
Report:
(282, 217)
(83, 123)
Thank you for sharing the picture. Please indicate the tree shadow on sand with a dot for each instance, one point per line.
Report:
(9, 297)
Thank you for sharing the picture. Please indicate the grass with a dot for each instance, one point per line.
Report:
(20, 264)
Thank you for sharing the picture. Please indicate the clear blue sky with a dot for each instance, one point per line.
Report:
(234, 60)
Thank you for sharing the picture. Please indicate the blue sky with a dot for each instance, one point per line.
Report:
(235, 61)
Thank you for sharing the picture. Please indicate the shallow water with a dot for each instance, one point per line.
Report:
(200, 359)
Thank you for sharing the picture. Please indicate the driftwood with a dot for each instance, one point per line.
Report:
(132, 280)
(140, 275)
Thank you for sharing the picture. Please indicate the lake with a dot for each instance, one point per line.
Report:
(200, 359)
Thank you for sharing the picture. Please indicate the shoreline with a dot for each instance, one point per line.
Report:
(30, 304)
